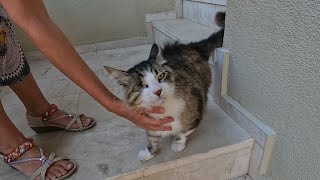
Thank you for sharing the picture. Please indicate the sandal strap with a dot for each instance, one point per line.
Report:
(52, 109)
(19, 151)
(43, 169)
(46, 163)
(74, 120)
(42, 158)
(62, 116)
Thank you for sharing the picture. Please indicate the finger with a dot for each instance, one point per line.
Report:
(156, 110)
(161, 128)
(165, 120)
(147, 120)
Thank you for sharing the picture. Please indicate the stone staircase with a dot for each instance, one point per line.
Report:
(220, 149)
(197, 22)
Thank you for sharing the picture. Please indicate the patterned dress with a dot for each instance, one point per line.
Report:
(13, 64)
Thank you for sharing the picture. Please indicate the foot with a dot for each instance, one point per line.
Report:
(86, 121)
(145, 155)
(56, 170)
(177, 147)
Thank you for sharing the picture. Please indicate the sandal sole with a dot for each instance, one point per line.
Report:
(40, 130)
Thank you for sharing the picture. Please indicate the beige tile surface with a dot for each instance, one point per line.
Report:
(111, 147)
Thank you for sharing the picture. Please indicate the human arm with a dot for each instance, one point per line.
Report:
(31, 16)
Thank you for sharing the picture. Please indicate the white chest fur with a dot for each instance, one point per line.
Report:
(174, 107)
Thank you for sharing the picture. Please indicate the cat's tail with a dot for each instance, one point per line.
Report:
(207, 46)
(220, 19)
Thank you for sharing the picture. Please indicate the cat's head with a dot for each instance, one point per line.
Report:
(148, 83)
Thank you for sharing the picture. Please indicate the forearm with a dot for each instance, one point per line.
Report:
(52, 42)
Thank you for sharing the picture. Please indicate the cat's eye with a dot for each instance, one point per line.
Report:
(145, 85)
(161, 76)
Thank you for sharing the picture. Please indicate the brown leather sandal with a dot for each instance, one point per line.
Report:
(42, 124)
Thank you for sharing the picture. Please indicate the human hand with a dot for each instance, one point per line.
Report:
(140, 118)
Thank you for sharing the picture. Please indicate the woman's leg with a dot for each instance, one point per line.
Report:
(11, 138)
(36, 104)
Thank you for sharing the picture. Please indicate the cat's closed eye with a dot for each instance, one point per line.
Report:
(145, 85)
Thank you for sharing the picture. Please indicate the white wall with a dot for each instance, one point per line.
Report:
(275, 75)
(90, 21)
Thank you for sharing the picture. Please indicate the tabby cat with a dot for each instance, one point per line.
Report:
(177, 78)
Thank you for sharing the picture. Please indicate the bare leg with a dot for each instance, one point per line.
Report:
(152, 148)
(36, 104)
(179, 142)
(11, 138)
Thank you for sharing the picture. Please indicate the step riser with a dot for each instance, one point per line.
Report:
(224, 167)
(160, 38)
(202, 13)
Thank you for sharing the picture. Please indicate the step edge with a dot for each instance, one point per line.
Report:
(214, 2)
(151, 17)
(246, 144)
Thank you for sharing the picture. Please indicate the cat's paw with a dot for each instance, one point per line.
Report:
(145, 155)
(177, 147)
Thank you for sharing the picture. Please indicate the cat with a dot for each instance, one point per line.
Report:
(177, 78)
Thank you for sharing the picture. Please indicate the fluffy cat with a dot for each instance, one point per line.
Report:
(177, 78)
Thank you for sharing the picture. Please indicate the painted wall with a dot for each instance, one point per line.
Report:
(90, 21)
(275, 74)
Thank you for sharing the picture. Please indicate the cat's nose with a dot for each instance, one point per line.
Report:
(158, 92)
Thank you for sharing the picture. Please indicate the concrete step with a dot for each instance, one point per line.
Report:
(203, 11)
(219, 149)
(181, 30)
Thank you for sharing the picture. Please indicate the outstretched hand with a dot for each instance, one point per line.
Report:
(140, 118)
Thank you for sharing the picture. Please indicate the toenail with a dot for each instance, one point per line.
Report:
(69, 166)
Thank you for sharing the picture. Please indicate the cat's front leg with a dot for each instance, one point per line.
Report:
(150, 151)
(179, 142)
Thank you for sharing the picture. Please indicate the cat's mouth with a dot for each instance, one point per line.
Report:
(160, 100)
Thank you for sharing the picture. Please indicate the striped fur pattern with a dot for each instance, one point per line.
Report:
(177, 78)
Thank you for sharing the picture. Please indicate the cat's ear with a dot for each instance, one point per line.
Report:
(154, 52)
(121, 76)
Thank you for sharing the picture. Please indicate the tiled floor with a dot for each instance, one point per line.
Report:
(111, 147)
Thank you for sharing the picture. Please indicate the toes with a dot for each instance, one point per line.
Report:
(55, 171)
(86, 121)
(67, 165)
(51, 175)
(61, 169)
